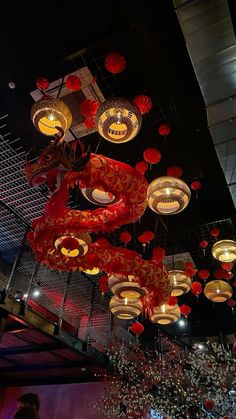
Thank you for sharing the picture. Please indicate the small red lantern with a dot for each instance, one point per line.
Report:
(143, 103)
(125, 237)
(196, 288)
(137, 328)
(189, 269)
(231, 303)
(88, 108)
(228, 275)
(42, 83)
(115, 62)
(141, 167)
(146, 237)
(158, 254)
(203, 274)
(152, 155)
(215, 232)
(203, 244)
(103, 284)
(208, 404)
(227, 266)
(164, 130)
(196, 185)
(172, 301)
(219, 273)
(89, 122)
(185, 310)
(73, 83)
(174, 171)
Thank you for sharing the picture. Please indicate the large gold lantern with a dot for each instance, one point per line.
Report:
(118, 120)
(224, 250)
(168, 195)
(73, 246)
(124, 308)
(218, 291)
(125, 286)
(181, 282)
(51, 116)
(99, 197)
(165, 314)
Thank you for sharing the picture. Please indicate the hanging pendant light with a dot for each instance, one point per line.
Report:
(125, 286)
(73, 246)
(218, 291)
(224, 250)
(99, 197)
(168, 195)
(93, 271)
(181, 282)
(165, 314)
(124, 308)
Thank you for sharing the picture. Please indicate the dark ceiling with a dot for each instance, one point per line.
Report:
(149, 35)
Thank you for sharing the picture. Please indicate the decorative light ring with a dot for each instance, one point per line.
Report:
(79, 249)
(224, 250)
(218, 291)
(125, 309)
(99, 197)
(168, 195)
(51, 116)
(125, 286)
(165, 314)
(181, 282)
(118, 120)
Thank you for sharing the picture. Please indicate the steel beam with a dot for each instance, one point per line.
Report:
(32, 349)
(55, 366)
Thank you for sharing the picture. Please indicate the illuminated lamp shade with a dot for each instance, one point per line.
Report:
(224, 250)
(165, 314)
(168, 195)
(118, 120)
(181, 283)
(124, 308)
(72, 246)
(125, 286)
(93, 271)
(218, 291)
(99, 197)
(51, 116)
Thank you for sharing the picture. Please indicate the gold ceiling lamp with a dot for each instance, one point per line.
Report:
(99, 197)
(73, 246)
(51, 116)
(181, 282)
(218, 291)
(118, 120)
(165, 314)
(124, 308)
(224, 250)
(168, 195)
(125, 286)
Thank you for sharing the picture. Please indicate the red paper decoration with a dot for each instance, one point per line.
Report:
(158, 254)
(141, 167)
(146, 237)
(73, 83)
(115, 62)
(125, 237)
(137, 328)
(204, 274)
(231, 303)
(152, 155)
(88, 108)
(227, 266)
(42, 83)
(208, 404)
(172, 301)
(185, 310)
(203, 244)
(215, 232)
(89, 122)
(175, 171)
(103, 283)
(143, 103)
(196, 288)
(164, 130)
(196, 185)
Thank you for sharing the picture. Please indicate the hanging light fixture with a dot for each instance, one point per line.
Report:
(73, 246)
(181, 282)
(124, 308)
(165, 314)
(125, 286)
(224, 250)
(168, 195)
(118, 120)
(51, 116)
(93, 271)
(218, 291)
(99, 197)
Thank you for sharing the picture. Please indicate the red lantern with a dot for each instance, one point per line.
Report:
(143, 103)
(208, 404)
(88, 108)
(73, 83)
(196, 288)
(125, 237)
(137, 328)
(152, 155)
(172, 301)
(219, 273)
(141, 167)
(174, 171)
(231, 303)
(196, 185)
(164, 130)
(158, 254)
(103, 283)
(203, 244)
(115, 62)
(227, 266)
(146, 237)
(203, 274)
(185, 310)
(215, 232)
(42, 83)
(89, 122)
(189, 269)
(228, 275)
